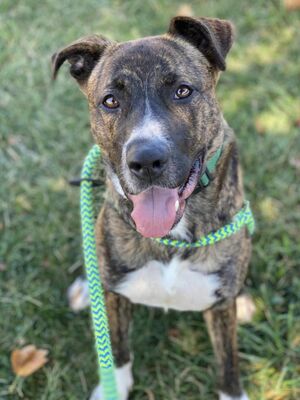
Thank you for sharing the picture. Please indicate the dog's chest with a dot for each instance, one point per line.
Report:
(178, 285)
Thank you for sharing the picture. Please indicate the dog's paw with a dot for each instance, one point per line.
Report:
(124, 384)
(223, 396)
(245, 308)
(78, 295)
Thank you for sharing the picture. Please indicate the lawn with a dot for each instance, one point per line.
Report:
(44, 135)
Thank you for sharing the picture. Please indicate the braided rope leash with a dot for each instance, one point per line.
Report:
(99, 316)
(243, 217)
(101, 328)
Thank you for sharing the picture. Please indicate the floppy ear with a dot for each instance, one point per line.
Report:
(213, 37)
(82, 55)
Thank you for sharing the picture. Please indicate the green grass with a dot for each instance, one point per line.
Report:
(44, 135)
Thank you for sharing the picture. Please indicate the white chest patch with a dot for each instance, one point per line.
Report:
(176, 285)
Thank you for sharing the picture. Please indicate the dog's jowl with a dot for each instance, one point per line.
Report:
(154, 114)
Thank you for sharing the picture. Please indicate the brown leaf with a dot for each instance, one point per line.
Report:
(297, 123)
(185, 10)
(27, 360)
(173, 333)
(259, 126)
(292, 4)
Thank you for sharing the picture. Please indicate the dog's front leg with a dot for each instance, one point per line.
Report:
(222, 325)
(119, 315)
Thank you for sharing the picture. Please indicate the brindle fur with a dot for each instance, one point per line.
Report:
(200, 128)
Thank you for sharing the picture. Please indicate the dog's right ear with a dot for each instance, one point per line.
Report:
(82, 55)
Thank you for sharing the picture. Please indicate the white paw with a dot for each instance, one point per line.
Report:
(124, 383)
(223, 396)
(78, 294)
(246, 308)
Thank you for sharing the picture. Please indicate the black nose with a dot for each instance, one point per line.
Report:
(147, 159)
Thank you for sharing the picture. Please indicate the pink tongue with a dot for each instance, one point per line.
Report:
(154, 211)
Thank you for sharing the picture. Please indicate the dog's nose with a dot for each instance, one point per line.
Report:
(147, 159)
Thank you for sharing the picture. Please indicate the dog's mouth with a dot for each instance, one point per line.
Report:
(157, 209)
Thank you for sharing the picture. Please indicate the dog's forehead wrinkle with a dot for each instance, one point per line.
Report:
(165, 59)
(147, 54)
(148, 67)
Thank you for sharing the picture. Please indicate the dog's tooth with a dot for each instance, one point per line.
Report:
(176, 205)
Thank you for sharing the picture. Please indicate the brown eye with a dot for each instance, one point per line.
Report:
(182, 92)
(110, 102)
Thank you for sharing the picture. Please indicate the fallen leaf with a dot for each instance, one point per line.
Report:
(173, 333)
(245, 308)
(292, 4)
(78, 295)
(13, 139)
(295, 162)
(58, 185)
(259, 127)
(270, 208)
(297, 123)
(149, 394)
(27, 360)
(296, 341)
(185, 10)
(278, 394)
(23, 202)
(2, 266)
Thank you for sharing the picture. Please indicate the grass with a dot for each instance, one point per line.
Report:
(44, 135)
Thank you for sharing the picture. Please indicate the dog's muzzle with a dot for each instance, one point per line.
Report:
(158, 209)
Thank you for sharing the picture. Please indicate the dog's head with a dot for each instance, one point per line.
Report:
(153, 111)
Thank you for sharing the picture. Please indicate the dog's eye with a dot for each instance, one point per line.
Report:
(182, 92)
(110, 101)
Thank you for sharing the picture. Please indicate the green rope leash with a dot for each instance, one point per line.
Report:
(243, 217)
(101, 328)
(100, 322)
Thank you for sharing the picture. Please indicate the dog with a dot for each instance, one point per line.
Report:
(155, 116)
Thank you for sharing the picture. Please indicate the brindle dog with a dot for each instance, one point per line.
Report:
(155, 116)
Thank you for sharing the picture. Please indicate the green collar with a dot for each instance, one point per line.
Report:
(243, 218)
(211, 164)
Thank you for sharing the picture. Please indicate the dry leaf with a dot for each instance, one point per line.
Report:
(2, 266)
(297, 123)
(292, 4)
(245, 308)
(27, 360)
(280, 394)
(23, 202)
(173, 333)
(58, 185)
(13, 139)
(259, 126)
(78, 295)
(296, 341)
(185, 10)
(295, 162)
(270, 208)
(149, 394)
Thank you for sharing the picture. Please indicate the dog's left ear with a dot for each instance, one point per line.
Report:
(213, 37)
